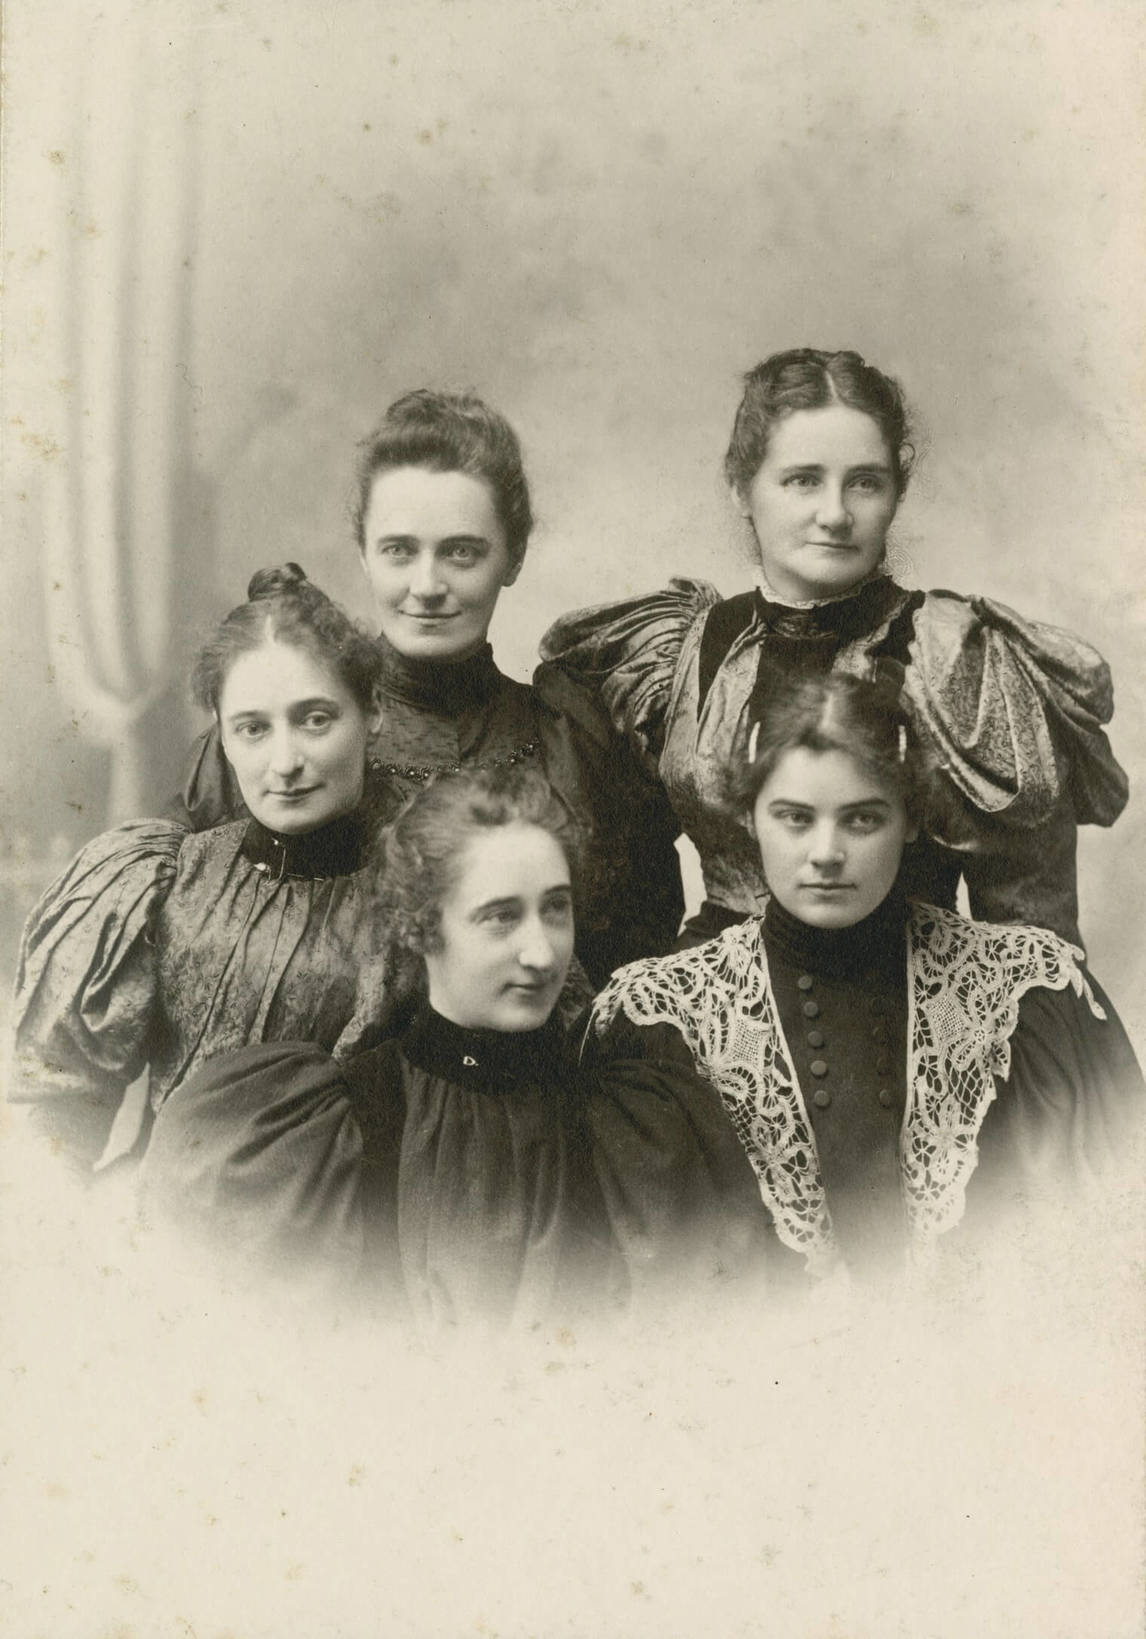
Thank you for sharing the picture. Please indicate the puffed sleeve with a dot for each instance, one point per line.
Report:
(85, 1007)
(209, 794)
(628, 652)
(1012, 712)
(1069, 1116)
(262, 1157)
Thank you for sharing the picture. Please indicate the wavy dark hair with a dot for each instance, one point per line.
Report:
(808, 378)
(283, 606)
(864, 719)
(423, 849)
(449, 432)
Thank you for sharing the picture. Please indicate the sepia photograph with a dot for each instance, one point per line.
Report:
(570, 806)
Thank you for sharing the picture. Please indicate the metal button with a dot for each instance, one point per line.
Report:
(815, 1038)
(805, 981)
(811, 1010)
(821, 1098)
(882, 1066)
(819, 1067)
(886, 1097)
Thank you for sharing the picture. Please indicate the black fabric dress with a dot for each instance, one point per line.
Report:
(460, 1175)
(158, 949)
(448, 717)
(1011, 712)
(888, 1078)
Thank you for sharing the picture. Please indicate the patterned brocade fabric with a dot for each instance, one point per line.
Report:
(1012, 712)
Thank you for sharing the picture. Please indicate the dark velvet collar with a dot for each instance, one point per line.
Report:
(439, 685)
(874, 945)
(494, 1058)
(843, 618)
(336, 849)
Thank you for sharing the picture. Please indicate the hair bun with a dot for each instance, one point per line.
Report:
(272, 583)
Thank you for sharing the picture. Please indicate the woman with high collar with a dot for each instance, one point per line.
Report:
(886, 1064)
(159, 948)
(442, 519)
(494, 1181)
(1011, 711)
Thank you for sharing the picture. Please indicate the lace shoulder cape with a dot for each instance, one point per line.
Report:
(966, 980)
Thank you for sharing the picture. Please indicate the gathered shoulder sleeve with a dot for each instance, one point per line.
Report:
(209, 793)
(1070, 1114)
(628, 653)
(261, 1157)
(682, 1199)
(85, 1002)
(1014, 711)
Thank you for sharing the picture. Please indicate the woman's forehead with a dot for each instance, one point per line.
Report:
(276, 674)
(824, 779)
(508, 862)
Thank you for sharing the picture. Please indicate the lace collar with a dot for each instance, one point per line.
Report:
(875, 943)
(437, 685)
(335, 849)
(491, 1058)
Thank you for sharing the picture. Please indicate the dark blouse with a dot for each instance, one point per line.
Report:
(447, 717)
(459, 1175)
(1010, 711)
(881, 1076)
(158, 949)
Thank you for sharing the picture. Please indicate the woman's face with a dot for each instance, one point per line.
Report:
(295, 737)
(822, 502)
(830, 836)
(436, 557)
(506, 932)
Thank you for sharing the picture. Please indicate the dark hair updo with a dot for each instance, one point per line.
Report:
(449, 432)
(284, 607)
(837, 712)
(806, 378)
(425, 845)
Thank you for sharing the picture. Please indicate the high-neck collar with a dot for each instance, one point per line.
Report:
(494, 1058)
(449, 687)
(770, 595)
(875, 943)
(854, 612)
(335, 849)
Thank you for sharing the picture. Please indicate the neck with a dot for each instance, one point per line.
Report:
(444, 684)
(334, 849)
(876, 941)
(787, 601)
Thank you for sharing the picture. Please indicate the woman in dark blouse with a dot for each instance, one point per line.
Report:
(442, 520)
(885, 1063)
(1012, 711)
(159, 948)
(468, 1169)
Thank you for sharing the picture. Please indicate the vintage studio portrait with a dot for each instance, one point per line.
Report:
(571, 825)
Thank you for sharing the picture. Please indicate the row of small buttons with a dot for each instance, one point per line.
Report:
(819, 1067)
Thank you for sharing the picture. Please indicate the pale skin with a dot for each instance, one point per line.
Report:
(295, 736)
(831, 837)
(505, 932)
(821, 502)
(435, 554)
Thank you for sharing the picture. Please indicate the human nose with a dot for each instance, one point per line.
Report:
(535, 949)
(831, 510)
(825, 850)
(285, 754)
(426, 579)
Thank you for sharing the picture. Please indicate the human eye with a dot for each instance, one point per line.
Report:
(801, 480)
(394, 551)
(249, 730)
(865, 821)
(869, 483)
(558, 909)
(793, 819)
(498, 919)
(318, 721)
(464, 552)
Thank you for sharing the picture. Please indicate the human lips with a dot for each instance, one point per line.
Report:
(295, 794)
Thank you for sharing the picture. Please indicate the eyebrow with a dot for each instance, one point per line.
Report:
(400, 538)
(844, 808)
(297, 706)
(818, 466)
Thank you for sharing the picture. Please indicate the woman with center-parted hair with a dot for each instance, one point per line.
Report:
(887, 1065)
(442, 519)
(496, 1180)
(1012, 711)
(158, 948)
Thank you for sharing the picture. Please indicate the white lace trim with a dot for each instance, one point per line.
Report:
(966, 981)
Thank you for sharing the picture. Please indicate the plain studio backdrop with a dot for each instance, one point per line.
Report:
(234, 231)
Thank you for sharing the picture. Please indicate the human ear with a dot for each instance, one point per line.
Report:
(513, 571)
(375, 715)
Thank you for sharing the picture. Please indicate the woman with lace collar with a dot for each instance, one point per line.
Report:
(495, 1181)
(157, 949)
(442, 519)
(1010, 710)
(883, 1061)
